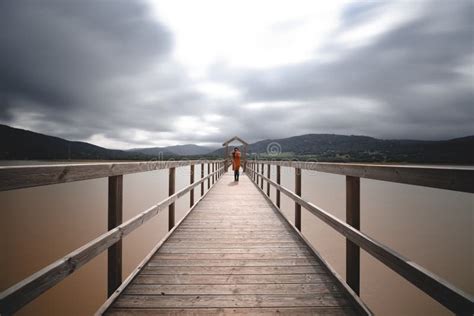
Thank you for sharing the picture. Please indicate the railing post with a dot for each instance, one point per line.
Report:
(213, 169)
(114, 253)
(202, 176)
(191, 181)
(263, 170)
(171, 191)
(256, 173)
(353, 219)
(298, 192)
(278, 176)
(208, 173)
(268, 183)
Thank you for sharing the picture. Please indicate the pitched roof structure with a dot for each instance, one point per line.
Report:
(234, 138)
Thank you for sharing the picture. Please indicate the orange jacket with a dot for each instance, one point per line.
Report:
(236, 160)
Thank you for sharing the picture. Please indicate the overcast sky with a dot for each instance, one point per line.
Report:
(122, 74)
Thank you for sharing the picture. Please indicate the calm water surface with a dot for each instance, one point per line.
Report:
(432, 227)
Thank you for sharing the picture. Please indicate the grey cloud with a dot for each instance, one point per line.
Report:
(75, 62)
(425, 51)
(105, 67)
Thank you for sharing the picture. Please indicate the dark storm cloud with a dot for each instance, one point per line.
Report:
(77, 66)
(413, 72)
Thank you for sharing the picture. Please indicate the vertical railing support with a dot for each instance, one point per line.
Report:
(263, 171)
(202, 176)
(171, 191)
(353, 219)
(257, 178)
(208, 173)
(191, 181)
(213, 169)
(268, 183)
(298, 192)
(115, 216)
(278, 176)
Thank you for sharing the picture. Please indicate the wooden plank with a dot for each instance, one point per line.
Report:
(206, 239)
(232, 301)
(234, 236)
(115, 216)
(282, 311)
(233, 262)
(232, 279)
(442, 291)
(230, 229)
(233, 270)
(228, 289)
(233, 244)
(353, 219)
(17, 177)
(273, 250)
(233, 256)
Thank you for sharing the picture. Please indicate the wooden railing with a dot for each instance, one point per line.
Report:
(457, 179)
(17, 177)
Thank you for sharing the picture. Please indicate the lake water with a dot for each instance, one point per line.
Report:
(432, 227)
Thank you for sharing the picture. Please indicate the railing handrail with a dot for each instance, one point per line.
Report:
(21, 293)
(26, 176)
(442, 291)
(442, 177)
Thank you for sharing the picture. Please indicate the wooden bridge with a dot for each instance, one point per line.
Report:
(234, 252)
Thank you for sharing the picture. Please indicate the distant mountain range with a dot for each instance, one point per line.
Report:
(178, 150)
(342, 148)
(19, 144)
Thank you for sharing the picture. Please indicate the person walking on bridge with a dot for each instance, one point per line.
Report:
(236, 163)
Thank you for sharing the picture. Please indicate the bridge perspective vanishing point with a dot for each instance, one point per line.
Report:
(234, 251)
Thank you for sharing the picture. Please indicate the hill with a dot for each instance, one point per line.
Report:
(342, 148)
(178, 150)
(20, 144)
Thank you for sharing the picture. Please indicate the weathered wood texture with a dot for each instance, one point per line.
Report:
(234, 253)
(191, 181)
(297, 192)
(17, 177)
(115, 216)
(442, 291)
(443, 177)
(171, 190)
(353, 219)
(278, 180)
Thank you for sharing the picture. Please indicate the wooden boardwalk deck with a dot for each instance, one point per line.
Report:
(233, 254)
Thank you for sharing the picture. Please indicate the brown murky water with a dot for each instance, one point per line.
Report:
(432, 227)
